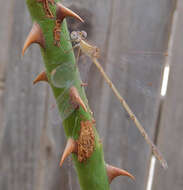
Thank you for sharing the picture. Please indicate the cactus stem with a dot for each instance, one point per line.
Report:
(41, 77)
(35, 36)
(70, 98)
(113, 172)
(76, 99)
(71, 147)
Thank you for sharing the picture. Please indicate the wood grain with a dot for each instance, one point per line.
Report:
(5, 32)
(31, 136)
(170, 136)
(24, 104)
(134, 26)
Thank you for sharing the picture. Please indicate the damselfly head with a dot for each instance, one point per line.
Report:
(83, 34)
(75, 36)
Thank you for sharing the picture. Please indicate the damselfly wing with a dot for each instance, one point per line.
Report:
(60, 79)
(93, 53)
(128, 58)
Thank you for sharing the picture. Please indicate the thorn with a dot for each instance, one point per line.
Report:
(113, 172)
(41, 77)
(35, 36)
(62, 12)
(84, 84)
(75, 98)
(71, 147)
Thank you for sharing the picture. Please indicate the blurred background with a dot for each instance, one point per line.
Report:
(141, 46)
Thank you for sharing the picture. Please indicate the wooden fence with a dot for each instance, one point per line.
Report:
(31, 137)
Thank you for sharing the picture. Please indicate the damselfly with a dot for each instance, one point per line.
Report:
(93, 52)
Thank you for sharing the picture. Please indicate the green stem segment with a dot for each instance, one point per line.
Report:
(92, 172)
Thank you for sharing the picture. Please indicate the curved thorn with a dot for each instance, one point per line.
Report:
(62, 12)
(113, 172)
(41, 77)
(35, 36)
(71, 147)
(75, 98)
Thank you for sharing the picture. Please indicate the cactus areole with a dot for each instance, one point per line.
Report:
(50, 32)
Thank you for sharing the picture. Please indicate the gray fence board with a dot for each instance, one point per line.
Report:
(170, 136)
(135, 26)
(32, 140)
(23, 105)
(5, 11)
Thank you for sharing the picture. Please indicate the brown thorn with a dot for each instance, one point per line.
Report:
(84, 84)
(113, 172)
(62, 12)
(41, 77)
(75, 98)
(71, 147)
(35, 36)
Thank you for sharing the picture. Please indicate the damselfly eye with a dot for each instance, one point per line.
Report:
(84, 34)
(74, 35)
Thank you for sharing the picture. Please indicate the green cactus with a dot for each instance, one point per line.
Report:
(63, 76)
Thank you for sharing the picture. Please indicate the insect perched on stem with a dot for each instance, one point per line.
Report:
(79, 37)
(93, 52)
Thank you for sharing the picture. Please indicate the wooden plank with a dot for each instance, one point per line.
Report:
(5, 32)
(170, 136)
(23, 105)
(135, 26)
